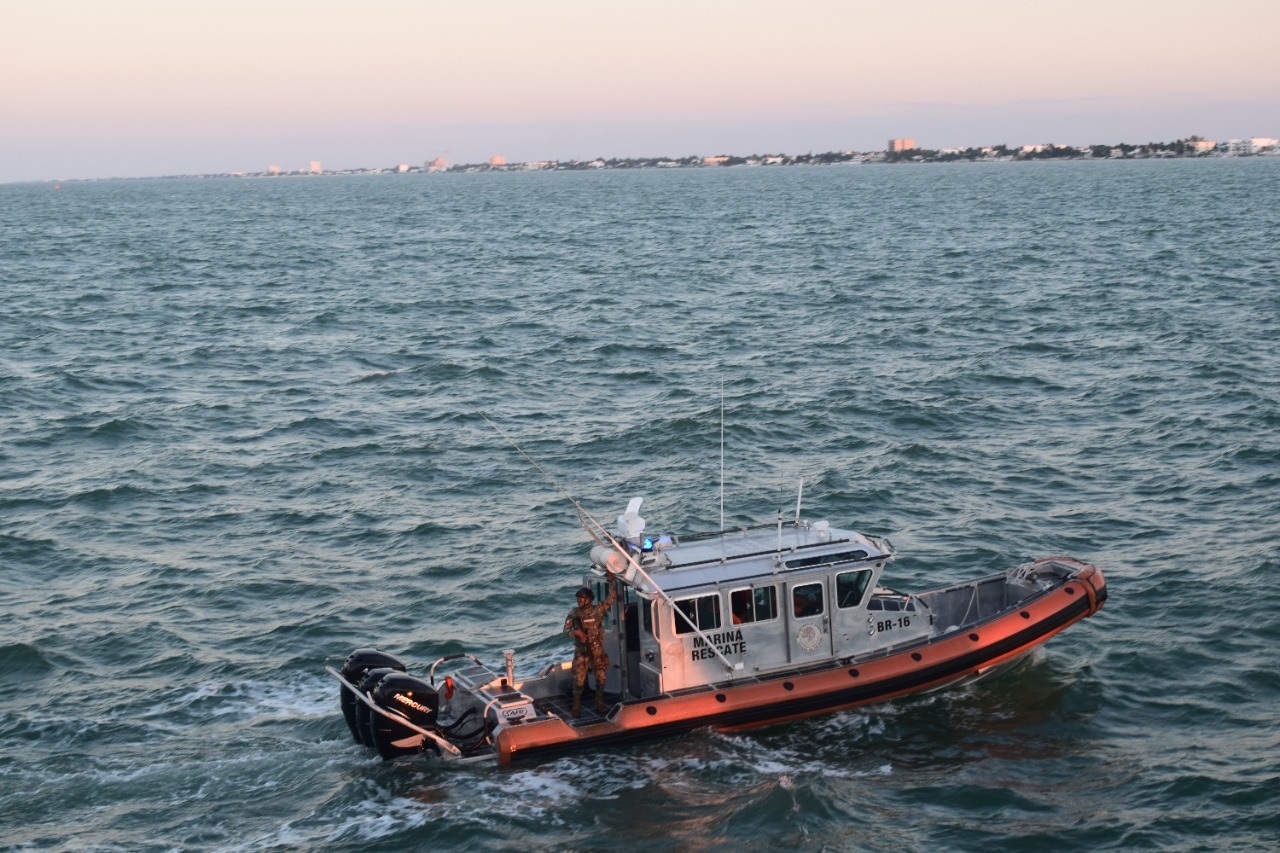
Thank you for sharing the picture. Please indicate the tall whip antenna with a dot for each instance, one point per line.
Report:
(722, 454)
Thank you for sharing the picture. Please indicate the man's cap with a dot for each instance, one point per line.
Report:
(586, 591)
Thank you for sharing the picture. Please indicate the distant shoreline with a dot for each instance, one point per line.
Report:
(1193, 148)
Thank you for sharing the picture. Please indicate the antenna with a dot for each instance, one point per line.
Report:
(722, 454)
(799, 495)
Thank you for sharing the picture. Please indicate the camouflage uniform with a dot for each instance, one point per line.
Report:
(589, 655)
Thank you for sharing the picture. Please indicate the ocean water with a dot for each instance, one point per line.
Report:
(242, 435)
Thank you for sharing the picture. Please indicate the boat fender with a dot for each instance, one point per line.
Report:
(612, 561)
(448, 688)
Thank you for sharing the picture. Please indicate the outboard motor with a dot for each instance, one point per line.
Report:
(365, 714)
(356, 667)
(409, 697)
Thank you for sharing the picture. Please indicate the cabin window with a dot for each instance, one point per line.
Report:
(851, 587)
(646, 619)
(824, 559)
(753, 605)
(703, 611)
(806, 599)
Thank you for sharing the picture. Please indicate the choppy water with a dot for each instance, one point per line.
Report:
(240, 435)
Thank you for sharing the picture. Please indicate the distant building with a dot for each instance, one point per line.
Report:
(718, 160)
(401, 168)
(1246, 147)
(902, 144)
(273, 170)
(497, 160)
(1201, 146)
(314, 167)
(438, 165)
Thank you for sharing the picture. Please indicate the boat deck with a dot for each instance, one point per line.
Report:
(562, 706)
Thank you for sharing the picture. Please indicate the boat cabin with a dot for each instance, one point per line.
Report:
(738, 605)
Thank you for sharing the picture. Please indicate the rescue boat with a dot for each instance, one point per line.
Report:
(730, 630)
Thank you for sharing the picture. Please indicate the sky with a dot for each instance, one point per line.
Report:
(128, 88)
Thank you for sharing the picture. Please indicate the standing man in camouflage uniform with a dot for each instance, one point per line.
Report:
(584, 625)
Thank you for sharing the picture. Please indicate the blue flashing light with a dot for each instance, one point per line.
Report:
(647, 545)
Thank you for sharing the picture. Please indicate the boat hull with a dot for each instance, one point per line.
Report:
(960, 656)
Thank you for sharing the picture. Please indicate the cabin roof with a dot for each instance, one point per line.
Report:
(744, 556)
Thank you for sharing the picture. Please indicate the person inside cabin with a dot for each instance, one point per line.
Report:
(740, 606)
(585, 624)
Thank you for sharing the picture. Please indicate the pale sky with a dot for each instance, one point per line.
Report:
(110, 88)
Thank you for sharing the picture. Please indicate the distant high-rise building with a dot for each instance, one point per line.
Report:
(902, 144)
(497, 160)
(273, 170)
(315, 167)
(439, 164)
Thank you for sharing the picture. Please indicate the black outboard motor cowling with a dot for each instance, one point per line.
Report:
(365, 714)
(355, 669)
(411, 698)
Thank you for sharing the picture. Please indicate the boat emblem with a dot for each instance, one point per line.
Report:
(809, 637)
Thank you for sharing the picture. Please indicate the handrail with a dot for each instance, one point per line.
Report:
(458, 656)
